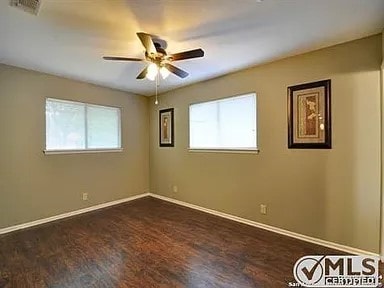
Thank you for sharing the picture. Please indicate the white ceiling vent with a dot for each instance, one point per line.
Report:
(31, 6)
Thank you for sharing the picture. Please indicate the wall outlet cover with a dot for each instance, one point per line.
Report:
(263, 209)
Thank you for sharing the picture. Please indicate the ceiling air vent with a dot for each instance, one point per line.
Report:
(31, 6)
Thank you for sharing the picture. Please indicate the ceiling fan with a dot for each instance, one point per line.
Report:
(159, 60)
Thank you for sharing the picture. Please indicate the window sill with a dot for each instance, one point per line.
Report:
(85, 151)
(234, 151)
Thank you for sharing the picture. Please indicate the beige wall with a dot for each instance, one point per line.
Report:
(34, 185)
(329, 194)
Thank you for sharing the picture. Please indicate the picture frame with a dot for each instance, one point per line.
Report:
(166, 128)
(309, 115)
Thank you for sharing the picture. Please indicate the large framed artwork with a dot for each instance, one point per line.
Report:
(309, 115)
(166, 128)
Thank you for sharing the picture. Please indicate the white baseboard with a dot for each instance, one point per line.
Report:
(69, 214)
(302, 237)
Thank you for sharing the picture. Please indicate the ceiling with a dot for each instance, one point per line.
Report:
(69, 37)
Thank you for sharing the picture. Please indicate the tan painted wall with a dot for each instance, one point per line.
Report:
(329, 194)
(33, 185)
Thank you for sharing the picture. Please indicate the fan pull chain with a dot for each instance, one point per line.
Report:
(157, 85)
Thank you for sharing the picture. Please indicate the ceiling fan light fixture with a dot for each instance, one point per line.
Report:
(156, 55)
(151, 77)
(164, 72)
(153, 70)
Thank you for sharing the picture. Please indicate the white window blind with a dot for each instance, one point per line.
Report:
(228, 123)
(81, 126)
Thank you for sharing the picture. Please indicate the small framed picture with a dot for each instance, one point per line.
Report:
(166, 128)
(309, 115)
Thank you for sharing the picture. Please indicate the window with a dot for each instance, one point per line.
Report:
(81, 126)
(225, 124)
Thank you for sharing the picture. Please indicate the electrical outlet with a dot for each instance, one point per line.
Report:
(263, 209)
(175, 189)
(85, 196)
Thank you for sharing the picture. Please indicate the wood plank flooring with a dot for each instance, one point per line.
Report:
(149, 243)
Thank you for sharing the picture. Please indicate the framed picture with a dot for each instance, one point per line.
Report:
(309, 115)
(166, 128)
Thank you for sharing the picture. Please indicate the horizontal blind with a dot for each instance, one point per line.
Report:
(224, 124)
(65, 125)
(80, 126)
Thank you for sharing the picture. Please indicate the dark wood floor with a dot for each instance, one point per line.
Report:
(149, 243)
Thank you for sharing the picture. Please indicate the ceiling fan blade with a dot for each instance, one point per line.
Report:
(188, 55)
(177, 71)
(147, 42)
(143, 73)
(160, 49)
(121, 58)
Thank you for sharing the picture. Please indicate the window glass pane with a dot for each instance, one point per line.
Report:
(237, 123)
(224, 124)
(203, 125)
(80, 126)
(65, 125)
(103, 127)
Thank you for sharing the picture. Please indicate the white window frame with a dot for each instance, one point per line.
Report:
(225, 150)
(85, 150)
